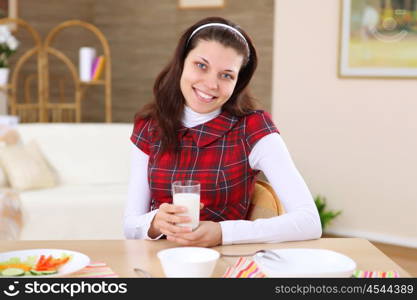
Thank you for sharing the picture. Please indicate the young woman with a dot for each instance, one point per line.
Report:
(202, 125)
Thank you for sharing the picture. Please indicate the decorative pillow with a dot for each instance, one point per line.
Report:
(3, 178)
(9, 136)
(26, 167)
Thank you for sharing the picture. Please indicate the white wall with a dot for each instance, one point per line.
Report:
(353, 140)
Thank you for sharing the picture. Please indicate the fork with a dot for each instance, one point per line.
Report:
(143, 272)
(268, 254)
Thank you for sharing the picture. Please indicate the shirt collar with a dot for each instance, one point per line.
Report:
(192, 118)
(212, 130)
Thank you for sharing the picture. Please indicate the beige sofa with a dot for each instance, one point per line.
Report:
(92, 163)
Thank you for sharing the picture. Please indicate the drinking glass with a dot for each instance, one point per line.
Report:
(186, 193)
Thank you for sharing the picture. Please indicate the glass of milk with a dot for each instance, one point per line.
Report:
(186, 193)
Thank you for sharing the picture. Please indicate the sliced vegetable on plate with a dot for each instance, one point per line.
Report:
(33, 265)
(41, 262)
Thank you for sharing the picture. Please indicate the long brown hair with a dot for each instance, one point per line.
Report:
(168, 105)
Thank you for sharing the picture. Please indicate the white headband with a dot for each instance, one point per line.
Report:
(219, 25)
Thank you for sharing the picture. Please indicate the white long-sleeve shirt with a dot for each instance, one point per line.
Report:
(270, 155)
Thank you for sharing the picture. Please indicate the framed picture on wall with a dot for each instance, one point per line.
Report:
(378, 38)
(200, 4)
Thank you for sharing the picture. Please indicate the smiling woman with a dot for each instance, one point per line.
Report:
(207, 86)
(203, 126)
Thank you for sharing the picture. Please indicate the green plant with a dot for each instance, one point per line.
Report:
(8, 45)
(326, 216)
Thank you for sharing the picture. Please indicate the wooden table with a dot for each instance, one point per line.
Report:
(123, 255)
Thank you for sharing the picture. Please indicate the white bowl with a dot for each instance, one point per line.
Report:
(188, 261)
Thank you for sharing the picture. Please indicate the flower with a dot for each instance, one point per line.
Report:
(8, 45)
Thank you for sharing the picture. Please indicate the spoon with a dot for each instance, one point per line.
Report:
(268, 254)
(142, 272)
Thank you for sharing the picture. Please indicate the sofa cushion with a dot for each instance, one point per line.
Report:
(73, 212)
(26, 168)
(83, 153)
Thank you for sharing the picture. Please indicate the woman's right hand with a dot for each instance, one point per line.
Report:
(165, 220)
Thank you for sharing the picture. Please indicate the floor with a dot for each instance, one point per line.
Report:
(403, 256)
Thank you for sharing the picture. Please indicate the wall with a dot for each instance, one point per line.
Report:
(353, 140)
(142, 36)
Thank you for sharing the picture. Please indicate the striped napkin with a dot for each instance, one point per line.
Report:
(244, 268)
(375, 274)
(95, 270)
(247, 268)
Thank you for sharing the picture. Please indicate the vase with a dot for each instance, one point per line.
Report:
(4, 79)
(4, 76)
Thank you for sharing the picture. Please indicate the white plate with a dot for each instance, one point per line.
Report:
(301, 262)
(76, 263)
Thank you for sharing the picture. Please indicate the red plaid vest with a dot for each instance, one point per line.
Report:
(215, 153)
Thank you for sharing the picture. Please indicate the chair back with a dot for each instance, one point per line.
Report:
(264, 202)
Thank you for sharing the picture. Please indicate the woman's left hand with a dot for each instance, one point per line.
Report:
(207, 234)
